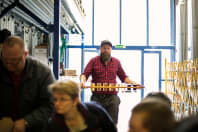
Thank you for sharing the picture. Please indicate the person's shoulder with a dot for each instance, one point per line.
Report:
(36, 63)
(92, 104)
(94, 59)
(95, 107)
(187, 124)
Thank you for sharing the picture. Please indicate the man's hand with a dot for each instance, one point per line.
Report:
(82, 81)
(19, 126)
(6, 124)
(138, 86)
(128, 81)
(82, 85)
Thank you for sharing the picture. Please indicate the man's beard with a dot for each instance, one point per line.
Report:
(105, 57)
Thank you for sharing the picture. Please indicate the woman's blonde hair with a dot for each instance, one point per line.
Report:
(68, 87)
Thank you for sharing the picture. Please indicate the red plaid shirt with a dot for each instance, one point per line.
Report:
(102, 73)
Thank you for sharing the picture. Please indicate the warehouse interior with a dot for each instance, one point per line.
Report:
(154, 40)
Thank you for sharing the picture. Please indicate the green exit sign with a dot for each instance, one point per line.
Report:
(120, 46)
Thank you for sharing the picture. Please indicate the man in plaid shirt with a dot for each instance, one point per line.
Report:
(104, 69)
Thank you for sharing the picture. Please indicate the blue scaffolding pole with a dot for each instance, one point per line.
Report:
(56, 38)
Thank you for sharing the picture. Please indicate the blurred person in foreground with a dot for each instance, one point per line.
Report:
(158, 96)
(24, 97)
(187, 124)
(104, 69)
(151, 117)
(74, 116)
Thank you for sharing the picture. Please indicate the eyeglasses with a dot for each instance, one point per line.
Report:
(61, 100)
(13, 61)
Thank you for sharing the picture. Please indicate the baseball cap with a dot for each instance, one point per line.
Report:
(106, 42)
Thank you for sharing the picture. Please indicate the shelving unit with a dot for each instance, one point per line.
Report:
(46, 17)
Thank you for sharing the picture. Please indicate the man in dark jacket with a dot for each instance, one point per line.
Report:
(24, 96)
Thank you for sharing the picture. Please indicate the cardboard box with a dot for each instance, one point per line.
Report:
(70, 72)
(41, 54)
(40, 51)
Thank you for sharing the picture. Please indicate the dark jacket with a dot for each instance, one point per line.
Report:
(35, 103)
(96, 119)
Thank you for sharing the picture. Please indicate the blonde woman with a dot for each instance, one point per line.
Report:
(74, 116)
